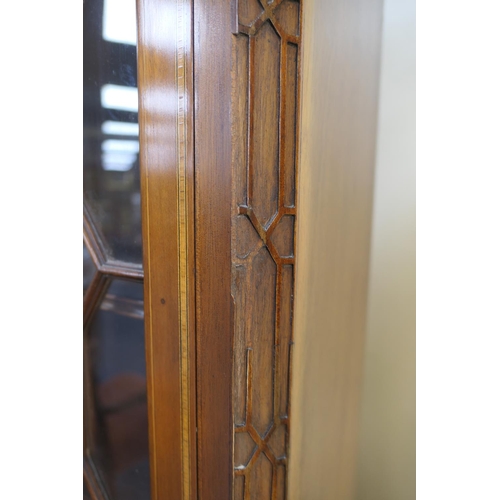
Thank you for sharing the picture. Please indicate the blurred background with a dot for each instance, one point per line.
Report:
(386, 458)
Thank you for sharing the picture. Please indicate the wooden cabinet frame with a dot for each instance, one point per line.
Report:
(167, 184)
(186, 232)
(188, 71)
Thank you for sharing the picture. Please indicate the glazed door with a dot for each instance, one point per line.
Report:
(116, 458)
(139, 370)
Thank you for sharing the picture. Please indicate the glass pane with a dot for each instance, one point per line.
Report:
(119, 383)
(110, 126)
(125, 298)
(89, 268)
(86, 494)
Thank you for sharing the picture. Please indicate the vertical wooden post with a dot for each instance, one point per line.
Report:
(165, 68)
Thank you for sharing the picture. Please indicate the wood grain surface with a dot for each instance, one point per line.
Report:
(341, 50)
(256, 185)
(167, 189)
(266, 79)
(212, 83)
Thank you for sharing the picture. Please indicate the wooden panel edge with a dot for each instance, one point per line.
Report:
(165, 108)
(212, 60)
(339, 98)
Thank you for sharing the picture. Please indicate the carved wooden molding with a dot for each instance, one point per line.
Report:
(265, 103)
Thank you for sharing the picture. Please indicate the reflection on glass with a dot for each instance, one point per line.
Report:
(86, 494)
(119, 383)
(110, 125)
(119, 97)
(120, 128)
(89, 268)
(119, 21)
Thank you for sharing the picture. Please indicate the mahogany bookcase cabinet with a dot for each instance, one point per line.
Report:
(257, 125)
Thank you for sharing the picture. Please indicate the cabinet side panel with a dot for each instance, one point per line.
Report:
(341, 47)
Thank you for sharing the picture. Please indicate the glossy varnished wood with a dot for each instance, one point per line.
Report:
(341, 51)
(219, 102)
(212, 56)
(165, 117)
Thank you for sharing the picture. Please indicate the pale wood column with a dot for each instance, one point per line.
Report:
(341, 45)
